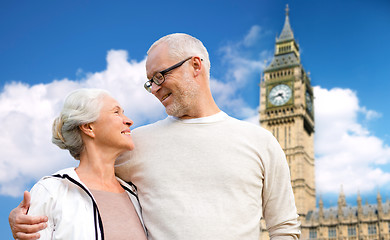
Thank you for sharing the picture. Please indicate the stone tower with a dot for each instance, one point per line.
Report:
(286, 109)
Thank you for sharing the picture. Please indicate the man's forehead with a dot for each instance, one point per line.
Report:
(156, 51)
(158, 58)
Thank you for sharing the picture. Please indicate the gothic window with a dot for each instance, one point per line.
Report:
(285, 137)
(372, 229)
(351, 230)
(313, 233)
(332, 232)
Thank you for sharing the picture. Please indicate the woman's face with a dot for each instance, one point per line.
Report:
(112, 129)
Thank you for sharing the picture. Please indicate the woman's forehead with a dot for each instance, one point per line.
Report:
(110, 102)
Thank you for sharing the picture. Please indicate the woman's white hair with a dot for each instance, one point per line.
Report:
(81, 106)
(182, 45)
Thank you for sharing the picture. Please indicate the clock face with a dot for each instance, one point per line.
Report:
(280, 94)
(309, 103)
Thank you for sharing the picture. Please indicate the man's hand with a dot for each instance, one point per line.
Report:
(23, 226)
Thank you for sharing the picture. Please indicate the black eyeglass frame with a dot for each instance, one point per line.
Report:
(148, 84)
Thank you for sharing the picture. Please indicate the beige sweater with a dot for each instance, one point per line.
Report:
(210, 178)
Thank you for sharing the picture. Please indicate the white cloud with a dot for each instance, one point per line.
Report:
(253, 36)
(242, 66)
(253, 119)
(26, 114)
(346, 153)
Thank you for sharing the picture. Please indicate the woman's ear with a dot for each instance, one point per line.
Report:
(87, 129)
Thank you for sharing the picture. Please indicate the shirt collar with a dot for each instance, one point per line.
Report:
(209, 119)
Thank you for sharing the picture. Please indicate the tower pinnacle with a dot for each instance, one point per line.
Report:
(287, 9)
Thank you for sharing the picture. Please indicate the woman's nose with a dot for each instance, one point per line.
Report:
(128, 121)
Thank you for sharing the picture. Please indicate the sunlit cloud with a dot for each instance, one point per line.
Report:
(347, 154)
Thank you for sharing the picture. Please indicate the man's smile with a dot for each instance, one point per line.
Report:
(165, 97)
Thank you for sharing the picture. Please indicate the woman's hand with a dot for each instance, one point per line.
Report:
(24, 226)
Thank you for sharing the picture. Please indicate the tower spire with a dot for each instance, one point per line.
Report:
(380, 208)
(287, 33)
(360, 206)
(341, 201)
(286, 49)
(321, 210)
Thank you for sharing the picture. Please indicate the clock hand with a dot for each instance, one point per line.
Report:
(278, 95)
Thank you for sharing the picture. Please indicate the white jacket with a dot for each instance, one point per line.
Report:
(70, 207)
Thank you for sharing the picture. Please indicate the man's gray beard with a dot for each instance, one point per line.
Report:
(185, 99)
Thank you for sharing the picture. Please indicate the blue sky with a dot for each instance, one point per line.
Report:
(48, 48)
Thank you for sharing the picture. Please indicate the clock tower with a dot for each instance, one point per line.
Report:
(286, 109)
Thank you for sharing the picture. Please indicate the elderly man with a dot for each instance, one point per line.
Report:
(200, 173)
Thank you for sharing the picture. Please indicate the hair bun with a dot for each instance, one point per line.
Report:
(58, 139)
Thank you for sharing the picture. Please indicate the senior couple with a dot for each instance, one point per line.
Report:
(198, 174)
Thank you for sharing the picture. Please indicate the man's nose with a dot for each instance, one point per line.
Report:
(155, 88)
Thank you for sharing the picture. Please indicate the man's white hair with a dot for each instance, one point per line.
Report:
(182, 46)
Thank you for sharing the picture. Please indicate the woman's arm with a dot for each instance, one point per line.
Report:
(41, 204)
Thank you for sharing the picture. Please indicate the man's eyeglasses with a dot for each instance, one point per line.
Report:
(159, 78)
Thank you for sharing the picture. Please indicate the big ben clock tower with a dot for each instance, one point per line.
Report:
(286, 109)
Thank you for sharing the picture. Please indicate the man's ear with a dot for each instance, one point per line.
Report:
(87, 129)
(197, 65)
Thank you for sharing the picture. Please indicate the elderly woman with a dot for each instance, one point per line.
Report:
(89, 202)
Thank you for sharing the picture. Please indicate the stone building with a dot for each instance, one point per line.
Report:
(348, 222)
(286, 109)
